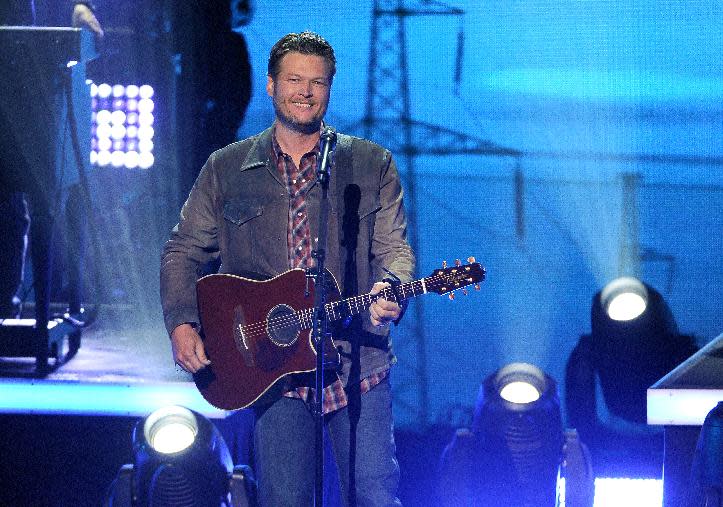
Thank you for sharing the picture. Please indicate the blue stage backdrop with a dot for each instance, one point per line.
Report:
(586, 142)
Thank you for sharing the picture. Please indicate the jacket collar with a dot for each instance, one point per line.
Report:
(259, 155)
(260, 151)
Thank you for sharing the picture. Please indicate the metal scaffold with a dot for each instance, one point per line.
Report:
(388, 121)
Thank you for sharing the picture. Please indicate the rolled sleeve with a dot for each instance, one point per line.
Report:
(390, 249)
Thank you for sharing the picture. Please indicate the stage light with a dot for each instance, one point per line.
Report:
(520, 383)
(118, 131)
(145, 91)
(145, 106)
(145, 119)
(634, 343)
(118, 117)
(104, 90)
(104, 143)
(103, 158)
(117, 158)
(180, 459)
(103, 116)
(629, 355)
(624, 299)
(145, 145)
(145, 132)
(515, 446)
(132, 159)
(146, 160)
(132, 91)
(170, 429)
(123, 113)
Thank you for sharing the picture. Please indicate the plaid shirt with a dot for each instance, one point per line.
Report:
(298, 183)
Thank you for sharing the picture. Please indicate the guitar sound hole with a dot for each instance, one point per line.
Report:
(282, 325)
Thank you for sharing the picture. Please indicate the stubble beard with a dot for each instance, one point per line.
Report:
(289, 122)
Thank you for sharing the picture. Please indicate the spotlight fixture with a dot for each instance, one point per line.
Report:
(514, 448)
(170, 429)
(180, 460)
(624, 299)
(634, 343)
(520, 383)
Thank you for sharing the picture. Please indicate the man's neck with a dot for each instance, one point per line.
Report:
(294, 143)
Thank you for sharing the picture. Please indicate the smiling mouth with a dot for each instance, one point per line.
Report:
(302, 105)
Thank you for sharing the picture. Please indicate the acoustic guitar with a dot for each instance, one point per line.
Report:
(257, 332)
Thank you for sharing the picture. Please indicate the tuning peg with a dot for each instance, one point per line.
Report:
(444, 264)
(451, 296)
(476, 286)
(457, 262)
(471, 260)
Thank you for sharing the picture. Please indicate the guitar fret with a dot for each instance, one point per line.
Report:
(329, 308)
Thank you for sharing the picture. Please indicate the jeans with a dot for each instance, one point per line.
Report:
(285, 456)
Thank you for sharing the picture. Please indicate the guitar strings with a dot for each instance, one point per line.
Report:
(257, 329)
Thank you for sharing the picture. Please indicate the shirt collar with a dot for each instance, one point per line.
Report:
(278, 152)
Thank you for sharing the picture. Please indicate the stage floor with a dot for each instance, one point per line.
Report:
(123, 367)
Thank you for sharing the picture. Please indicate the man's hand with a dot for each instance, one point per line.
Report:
(381, 311)
(188, 351)
(83, 17)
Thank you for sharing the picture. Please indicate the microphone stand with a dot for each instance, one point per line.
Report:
(320, 326)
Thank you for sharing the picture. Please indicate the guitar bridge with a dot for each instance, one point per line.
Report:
(238, 335)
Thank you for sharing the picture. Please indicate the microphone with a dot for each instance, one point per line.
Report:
(328, 143)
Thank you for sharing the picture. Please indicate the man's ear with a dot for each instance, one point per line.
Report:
(270, 85)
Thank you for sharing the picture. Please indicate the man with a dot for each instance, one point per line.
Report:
(26, 168)
(255, 206)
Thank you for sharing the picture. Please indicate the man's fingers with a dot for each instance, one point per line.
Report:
(382, 312)
(188, 350)
(201, 354)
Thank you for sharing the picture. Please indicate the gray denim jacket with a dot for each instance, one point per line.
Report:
(237, 213)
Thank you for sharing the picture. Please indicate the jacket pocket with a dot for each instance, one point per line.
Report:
(239, 212)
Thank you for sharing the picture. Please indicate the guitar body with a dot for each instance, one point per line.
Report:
(253, 336)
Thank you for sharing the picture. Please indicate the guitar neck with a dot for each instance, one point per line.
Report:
(338, 310)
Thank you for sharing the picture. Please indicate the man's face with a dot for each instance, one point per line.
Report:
(300, 91)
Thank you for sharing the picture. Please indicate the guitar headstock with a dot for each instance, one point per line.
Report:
(459, 276)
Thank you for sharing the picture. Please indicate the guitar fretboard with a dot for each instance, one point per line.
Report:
(338, 310)
(441, 281)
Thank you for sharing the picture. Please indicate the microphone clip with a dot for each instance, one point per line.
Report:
(328, 144)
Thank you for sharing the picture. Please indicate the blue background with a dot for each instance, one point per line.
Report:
(584, 91)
